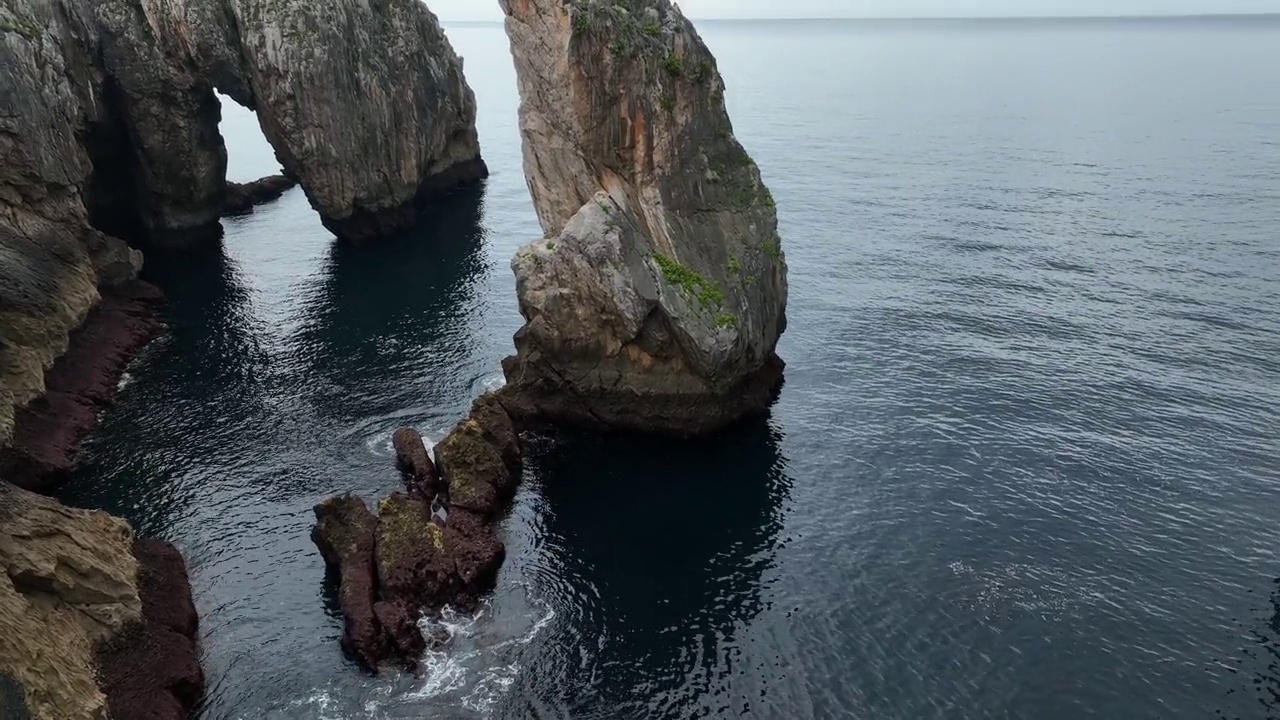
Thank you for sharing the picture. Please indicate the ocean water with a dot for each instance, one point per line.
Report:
(1026, 462)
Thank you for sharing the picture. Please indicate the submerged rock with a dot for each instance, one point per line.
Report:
(412, 558)
(243, 197)
(344, 532)
(657, 298)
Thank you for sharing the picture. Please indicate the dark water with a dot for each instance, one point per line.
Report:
(1026, 464)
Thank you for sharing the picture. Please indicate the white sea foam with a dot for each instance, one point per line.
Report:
(475, 674)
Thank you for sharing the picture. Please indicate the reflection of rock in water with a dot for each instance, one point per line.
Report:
(211, 335)
(665, 545)
(381, 315)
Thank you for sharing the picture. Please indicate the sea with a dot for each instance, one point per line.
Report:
(1026, 462)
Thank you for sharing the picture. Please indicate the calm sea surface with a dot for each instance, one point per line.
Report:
(1026, 463)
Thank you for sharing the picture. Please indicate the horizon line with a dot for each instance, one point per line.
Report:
(916, 18)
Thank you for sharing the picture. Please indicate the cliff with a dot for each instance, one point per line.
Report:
(73, 594)
(109, 126)
(657, 297)
(364, 103)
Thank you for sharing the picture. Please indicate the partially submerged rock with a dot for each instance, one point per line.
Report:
(656, 300)
(415, 462)
(243, 197)
(428, 548)
(344, 532)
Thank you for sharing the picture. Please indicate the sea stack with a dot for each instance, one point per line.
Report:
(656, 299)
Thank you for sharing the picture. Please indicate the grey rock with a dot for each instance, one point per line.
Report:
(364, 102)
(658, 295)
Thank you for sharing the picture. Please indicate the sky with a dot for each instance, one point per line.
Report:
(488, 9)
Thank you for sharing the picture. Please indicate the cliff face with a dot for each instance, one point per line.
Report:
(51, 262)
(108, 120)
(365, 103)
(658, 295)
(68, 582)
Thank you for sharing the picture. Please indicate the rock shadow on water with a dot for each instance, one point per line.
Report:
(382, 314)
(667, 544)
(211, 336)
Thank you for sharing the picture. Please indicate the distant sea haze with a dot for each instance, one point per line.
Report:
(1025, 463)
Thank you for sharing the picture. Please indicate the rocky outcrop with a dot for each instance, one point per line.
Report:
(657, 298)
(49, 429)
(364, 102)
(243, 197)
(68, 582)
(430, 547)
(344, 532)
(152, 669)
(411, 455)
(90, 619)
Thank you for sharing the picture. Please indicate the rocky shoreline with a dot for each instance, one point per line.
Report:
(81, 383)
(152, 670)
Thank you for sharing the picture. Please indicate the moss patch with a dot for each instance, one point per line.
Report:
(726, 321)
(682, 276)
(403, 529)
(21, 26)
(674, 65)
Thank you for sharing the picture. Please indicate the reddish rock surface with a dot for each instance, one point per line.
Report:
(152, 672)
(344, 532)
(48, 431)
(420, 560)
(243, 197)
(411, 454)
(399, 622)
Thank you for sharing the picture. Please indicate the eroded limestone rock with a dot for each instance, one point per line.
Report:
(68, 581)
(658, 295)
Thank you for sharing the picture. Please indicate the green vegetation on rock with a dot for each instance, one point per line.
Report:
(688, 280)
(22, 26)
(773, 246)
(674, 65)
(726, 321)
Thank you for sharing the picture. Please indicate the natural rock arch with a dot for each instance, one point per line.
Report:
(365, 105)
